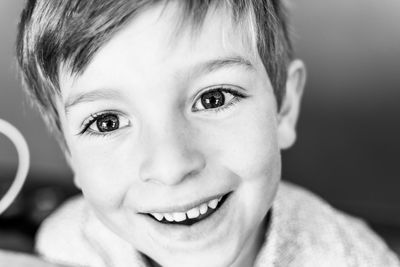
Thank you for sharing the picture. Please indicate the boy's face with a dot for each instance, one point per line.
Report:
(164, 125)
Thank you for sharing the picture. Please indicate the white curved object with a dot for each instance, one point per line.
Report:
(23, 163)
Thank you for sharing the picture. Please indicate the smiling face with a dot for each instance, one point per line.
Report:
(176, 142)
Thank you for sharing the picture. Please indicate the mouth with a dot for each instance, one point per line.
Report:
(191, 216)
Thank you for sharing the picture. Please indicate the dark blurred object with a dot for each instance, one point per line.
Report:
(39, 197)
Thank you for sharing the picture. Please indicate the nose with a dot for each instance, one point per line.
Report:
(170, 156)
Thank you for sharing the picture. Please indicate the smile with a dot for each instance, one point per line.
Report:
(191, 216)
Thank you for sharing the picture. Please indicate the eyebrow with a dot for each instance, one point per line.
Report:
(91, 97)
(199, 69)
(221, 63)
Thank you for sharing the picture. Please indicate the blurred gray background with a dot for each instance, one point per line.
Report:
(348, 135)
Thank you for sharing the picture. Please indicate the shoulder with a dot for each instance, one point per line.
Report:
(314, 230)
(61, 238)
(74, 236)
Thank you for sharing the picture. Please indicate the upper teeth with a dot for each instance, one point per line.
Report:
(191, 214)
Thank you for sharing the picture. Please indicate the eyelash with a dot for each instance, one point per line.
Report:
(237, 97)
(92, 119)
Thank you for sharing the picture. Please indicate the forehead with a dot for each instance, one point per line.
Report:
(158, 41)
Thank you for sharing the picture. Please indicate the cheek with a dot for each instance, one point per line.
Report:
(247, 145)
(248, 148)
(101, 172)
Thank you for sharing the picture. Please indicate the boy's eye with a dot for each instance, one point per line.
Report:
(213, 99)
(217, 99)
(104, 123)
(107, 123)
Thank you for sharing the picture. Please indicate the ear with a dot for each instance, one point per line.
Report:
(289, 111)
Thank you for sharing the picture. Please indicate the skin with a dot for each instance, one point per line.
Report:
(170, 151)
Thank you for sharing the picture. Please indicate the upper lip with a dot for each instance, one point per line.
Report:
(184, 207)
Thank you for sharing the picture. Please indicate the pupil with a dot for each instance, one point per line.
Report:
(108, 123)
(213, 99)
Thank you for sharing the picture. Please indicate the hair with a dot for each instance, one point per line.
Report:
(52, 34)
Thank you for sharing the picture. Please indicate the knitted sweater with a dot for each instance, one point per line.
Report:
(304, 231)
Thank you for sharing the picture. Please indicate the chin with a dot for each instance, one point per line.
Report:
(216, 261)
(213, 257)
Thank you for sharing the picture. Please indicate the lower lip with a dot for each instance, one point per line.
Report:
(201, 231)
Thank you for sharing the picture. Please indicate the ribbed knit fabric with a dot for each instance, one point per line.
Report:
(304, 231)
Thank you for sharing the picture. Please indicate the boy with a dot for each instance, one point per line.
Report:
(172, 115)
